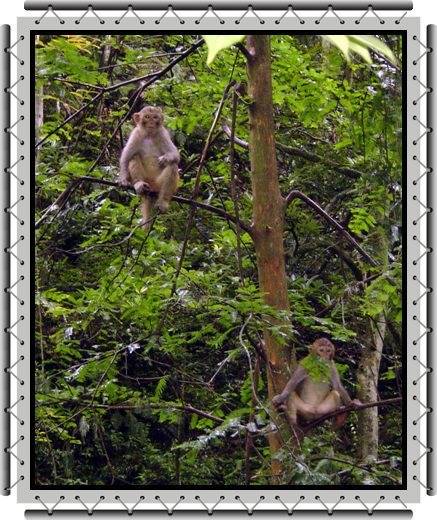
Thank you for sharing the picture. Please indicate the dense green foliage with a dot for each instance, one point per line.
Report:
(147, 365)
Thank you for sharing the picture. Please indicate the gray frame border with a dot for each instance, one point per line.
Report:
(228, 5)
(5, 257)
(431, 110)
(25, 251)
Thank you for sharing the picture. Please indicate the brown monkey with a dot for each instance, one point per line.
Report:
(149, 161)
(315, 388)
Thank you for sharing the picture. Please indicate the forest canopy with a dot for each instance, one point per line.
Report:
(158, 353)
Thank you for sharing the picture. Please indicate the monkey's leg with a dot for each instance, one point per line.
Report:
(168, 182)
(313, 410)
(330, 404)
(292, 407)
(138, 179)
(138, 176)
(307, 411)
(146, 210)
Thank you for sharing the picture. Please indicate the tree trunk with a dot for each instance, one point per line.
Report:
(367, 379)
(368, 371)
(268, 214)
(39, 115)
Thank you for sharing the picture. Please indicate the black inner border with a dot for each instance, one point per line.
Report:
(405, 139)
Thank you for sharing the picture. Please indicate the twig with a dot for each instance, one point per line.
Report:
(365, 467)
(233, 187)
(180, 200)
(348, 409)
(299, 195)
(104, 91)
(290, 150)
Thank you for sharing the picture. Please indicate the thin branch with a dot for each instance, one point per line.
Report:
(244, 51)
(156, 76)
(194, 206)
(349, 172)
(85, 406)
(59, 202)
(290, 150)
(70, 118)
(348, 409)
(299, 195)
(365, 467)
(237, 140)
(233, 187)
(65, 195)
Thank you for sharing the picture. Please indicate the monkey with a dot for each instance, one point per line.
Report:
(315, 388)
(149, 162)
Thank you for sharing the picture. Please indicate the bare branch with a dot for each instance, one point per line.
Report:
(290, 150)
(299, 195)
(181, 200)
(352, 408)
(102, 92)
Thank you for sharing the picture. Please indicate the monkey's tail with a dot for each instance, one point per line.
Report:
(146, 211)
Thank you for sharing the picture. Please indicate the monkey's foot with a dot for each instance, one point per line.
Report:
(293, 418)
(356, 404)
(123, 184)
(162, 205)
(339, 420)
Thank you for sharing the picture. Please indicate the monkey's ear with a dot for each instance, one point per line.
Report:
(136, 117)
(313, 348)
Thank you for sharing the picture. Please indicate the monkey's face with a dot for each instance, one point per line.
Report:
(325, 352)
(149, 118)
(324, 348)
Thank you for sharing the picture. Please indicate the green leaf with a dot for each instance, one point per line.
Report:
(360, 44)
(160, 387)
(340, 41)
(318, 367)
(217, 43)
(366, 40)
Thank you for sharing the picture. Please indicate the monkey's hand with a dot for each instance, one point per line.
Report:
(356, 404)
(142, 187)
(278, 400)
(163, 160)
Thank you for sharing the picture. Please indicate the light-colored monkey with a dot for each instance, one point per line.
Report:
(149, 161)
(315, 388)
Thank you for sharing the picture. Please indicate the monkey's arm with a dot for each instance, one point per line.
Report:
(126, 156)
(299, 375)
(337, 385)
(171, 154)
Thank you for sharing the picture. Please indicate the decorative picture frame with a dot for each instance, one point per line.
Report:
(20, 355)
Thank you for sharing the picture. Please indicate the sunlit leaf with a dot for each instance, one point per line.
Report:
(219, 42)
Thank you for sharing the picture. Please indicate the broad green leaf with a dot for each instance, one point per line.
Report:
(360, 44)
(366, 40)
(219, 42)
(341, 41)
(362, 50)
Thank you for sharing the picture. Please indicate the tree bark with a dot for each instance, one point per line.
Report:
(367, 379)
(368, 371)
(39, 114)
(268, 215)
